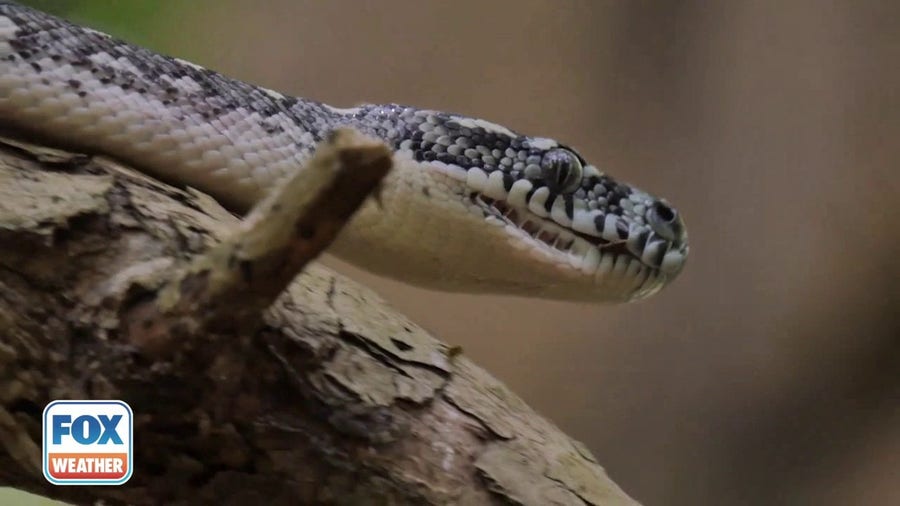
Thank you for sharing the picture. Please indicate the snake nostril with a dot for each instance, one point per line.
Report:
(664, 221)
(663, 212)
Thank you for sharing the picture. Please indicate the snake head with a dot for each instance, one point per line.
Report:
(626, 242)
(529, 215)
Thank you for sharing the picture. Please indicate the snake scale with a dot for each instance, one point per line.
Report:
(470, 206)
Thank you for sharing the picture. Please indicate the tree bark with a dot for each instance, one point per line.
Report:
(246, 386)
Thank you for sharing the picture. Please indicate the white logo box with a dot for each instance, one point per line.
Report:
(88, 442)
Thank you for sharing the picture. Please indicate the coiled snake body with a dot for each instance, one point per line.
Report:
(470, 205)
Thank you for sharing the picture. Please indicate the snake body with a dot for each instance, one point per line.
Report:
(470, 205)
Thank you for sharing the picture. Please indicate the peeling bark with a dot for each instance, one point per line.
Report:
(324, 396)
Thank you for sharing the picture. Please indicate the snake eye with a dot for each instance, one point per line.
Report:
(561, 170)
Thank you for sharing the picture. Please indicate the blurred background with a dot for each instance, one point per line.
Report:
(769, 372)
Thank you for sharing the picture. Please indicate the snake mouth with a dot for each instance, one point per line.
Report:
(637, 268)
(548, 232)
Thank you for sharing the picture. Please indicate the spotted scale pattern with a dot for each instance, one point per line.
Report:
(455, 174)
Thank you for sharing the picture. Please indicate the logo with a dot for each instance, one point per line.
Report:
(87, 442)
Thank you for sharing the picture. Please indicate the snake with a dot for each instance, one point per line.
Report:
(469, 206)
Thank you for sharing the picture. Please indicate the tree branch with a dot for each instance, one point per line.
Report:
(116, 286)
(232, 284)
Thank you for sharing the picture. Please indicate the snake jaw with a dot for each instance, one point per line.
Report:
(642, 245)
(641, 262)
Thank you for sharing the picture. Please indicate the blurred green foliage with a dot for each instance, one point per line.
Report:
(12, 497)
(142, 22)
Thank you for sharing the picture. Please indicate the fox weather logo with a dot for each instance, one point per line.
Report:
(87, 442)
